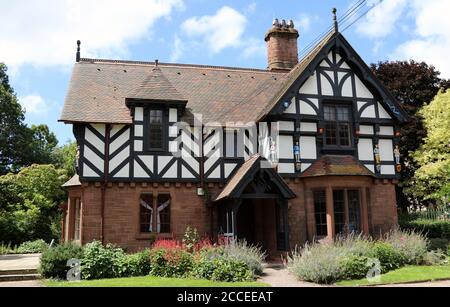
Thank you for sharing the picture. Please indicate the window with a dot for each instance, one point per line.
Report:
(77, 220)
(163, 209)
(354, 212)
(347, 211)
(320, 209)
(337, 125)
(339, 211)
(231, 144)
(156, 130)
(159, 223)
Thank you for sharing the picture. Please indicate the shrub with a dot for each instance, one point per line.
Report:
(167, 244)
(389, 257)
(318, 262)
(100, 261)
(354, 267)
(412, 245)
(435, 258)
(191, 238)
(328, 262)
(222, 269)
(6, 249)
(431, 228)
(134, 265)
(53, 262)
(174, 262)
(438, 244)
(32, 247)
(252, 256)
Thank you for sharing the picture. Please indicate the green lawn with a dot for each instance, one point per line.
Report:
(405, 275)
(150, 281)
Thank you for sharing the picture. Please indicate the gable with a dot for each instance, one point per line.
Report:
(333, 71)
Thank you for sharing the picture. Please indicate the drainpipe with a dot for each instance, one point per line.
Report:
(105, 182)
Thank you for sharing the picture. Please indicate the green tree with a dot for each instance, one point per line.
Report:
(64, 157)
(431, 180)
(43, 144)
(29, 204)
(414, 85)
(20, 146)
(14, 134)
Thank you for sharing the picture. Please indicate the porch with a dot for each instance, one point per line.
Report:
(253, 207)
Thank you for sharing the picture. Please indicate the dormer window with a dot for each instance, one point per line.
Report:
(337, 126)
(156, 129)
(156, 132)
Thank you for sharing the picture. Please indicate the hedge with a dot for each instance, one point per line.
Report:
(431, 228)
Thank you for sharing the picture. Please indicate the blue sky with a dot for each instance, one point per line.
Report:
(39, 45)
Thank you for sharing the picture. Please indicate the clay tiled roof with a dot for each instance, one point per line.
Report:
(330, 165)
(73, 182)
(98, 89)
(233, 188)
(237, 177)
(156, 87)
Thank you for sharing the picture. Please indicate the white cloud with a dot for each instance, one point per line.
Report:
(254, 48)
(381, 20)
(219, 31)
(44, 32)
(251, 8)
(303, 24)
(34, 104)
(432, 43)
(177, 49)
(430, 30)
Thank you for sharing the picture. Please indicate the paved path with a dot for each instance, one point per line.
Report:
(277, 275)
(21, 284)
(19, 262)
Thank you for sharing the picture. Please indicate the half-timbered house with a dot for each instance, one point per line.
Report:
(299, 151)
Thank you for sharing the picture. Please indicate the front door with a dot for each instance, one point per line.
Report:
(281, 226)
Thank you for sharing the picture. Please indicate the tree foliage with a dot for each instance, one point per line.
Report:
(64, 157)
(14, 134)
(414, 85)
(29, 204)
(20, 145)
(432, 177)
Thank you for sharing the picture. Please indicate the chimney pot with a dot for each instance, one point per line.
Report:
(282, 46)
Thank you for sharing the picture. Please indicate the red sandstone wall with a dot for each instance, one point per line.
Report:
(122, 209)
(122, 213)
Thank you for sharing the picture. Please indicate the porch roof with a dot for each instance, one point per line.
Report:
(246, 173)
(73, 182)
(334, 165)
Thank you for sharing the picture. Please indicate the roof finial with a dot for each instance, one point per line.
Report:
(336, 25)
(78, 57)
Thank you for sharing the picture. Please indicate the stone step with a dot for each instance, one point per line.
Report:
(21, 277)
(18, 272)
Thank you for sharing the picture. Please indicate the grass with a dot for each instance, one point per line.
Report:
(151, 281)
(406, 274)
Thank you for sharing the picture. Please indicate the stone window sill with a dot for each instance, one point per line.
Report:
(151, 236)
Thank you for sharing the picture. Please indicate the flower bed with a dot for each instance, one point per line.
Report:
(190, 258)
(355, 257)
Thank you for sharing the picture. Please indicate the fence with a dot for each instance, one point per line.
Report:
(440, 214)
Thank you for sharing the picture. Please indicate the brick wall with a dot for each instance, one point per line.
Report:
(121, 223)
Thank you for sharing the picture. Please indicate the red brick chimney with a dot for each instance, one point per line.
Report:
(282, 45)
